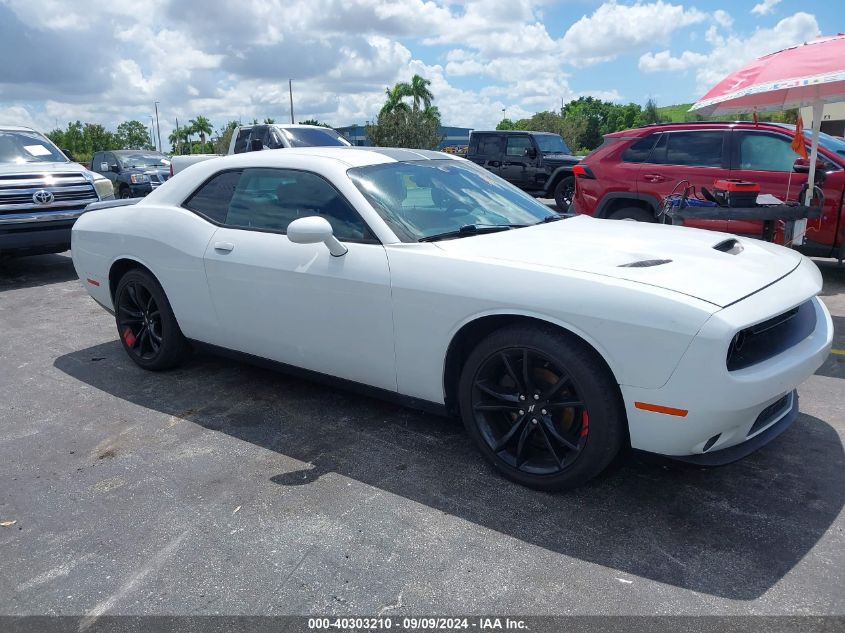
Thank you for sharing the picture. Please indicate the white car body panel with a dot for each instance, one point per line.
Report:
(385, 315)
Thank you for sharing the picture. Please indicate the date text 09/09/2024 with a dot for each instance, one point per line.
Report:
(417, 624)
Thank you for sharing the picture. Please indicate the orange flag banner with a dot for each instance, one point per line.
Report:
(799, 145)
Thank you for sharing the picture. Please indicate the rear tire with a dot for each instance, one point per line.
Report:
(542, 407)
(145, 322)
(635, 214)
(564, 193)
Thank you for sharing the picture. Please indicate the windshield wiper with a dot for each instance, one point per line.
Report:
(470, 229)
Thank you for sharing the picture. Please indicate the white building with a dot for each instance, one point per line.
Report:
(833, 119)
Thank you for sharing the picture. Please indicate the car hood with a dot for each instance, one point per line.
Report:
(608, 247)
(40, 168)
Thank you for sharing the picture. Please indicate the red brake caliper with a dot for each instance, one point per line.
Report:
(129, 337)
(585, 424)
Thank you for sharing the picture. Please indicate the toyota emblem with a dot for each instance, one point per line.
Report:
(42, 196)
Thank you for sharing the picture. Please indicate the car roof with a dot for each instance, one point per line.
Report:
(350, 156)
(513, 132)
(16, 128)
(644, 130)
(123, 152)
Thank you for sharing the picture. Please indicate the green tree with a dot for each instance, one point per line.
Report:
(650, 112)
(505, 124)
(419, 92)
(395, 98)
(133, 135)
(405, 128)
(314, 122)
(100, 138)
(224, 139)
(201, 126)
(269, 121)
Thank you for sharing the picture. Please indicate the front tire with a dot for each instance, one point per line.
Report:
(125, 194)
(564, 193)
(146, 325)
(542, 407)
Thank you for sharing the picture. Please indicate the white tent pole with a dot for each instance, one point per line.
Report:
(818, 112)
(801, 225)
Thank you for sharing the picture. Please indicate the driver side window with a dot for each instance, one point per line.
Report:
(269, 199)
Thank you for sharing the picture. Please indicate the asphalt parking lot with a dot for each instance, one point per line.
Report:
(219, 488)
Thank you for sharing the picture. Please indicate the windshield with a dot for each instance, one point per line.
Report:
(551, 144)
(311, 137)
(831, 143)
(28, 147)
(420, 199)
(144, 160)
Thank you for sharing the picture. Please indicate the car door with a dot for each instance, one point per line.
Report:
(768, 159)
(296, 303)
(519, 163)
(696, 157)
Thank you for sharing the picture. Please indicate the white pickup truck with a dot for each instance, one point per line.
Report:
(252, 138)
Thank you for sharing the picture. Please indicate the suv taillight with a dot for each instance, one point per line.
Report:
(582, 171)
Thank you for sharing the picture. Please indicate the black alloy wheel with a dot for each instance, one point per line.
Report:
(542, 407)
(125, 193)
(564, 194)
(145, 322)
(529, 411)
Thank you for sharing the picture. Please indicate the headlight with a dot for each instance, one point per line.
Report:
(103, 187)
(139, 179)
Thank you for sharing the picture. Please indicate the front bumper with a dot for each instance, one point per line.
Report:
(724, 406)
(38, 237)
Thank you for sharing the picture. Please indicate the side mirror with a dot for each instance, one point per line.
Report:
(314, 229)
(531, 152)
(69, 155)
(256, 145)
(114, 168)
(802, 166)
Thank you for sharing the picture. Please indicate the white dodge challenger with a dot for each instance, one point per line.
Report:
(423, 278)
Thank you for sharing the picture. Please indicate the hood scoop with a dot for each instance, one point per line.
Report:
(730, 246)
(645, 263)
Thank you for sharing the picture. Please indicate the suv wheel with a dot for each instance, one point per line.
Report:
(564, 192)
(632, 214)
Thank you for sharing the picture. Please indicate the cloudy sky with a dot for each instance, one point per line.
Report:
(108, 60)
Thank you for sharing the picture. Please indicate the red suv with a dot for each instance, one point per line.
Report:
(629, 175)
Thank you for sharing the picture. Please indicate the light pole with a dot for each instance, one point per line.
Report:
(503, 113)
(158, 128)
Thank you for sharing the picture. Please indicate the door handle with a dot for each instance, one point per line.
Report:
(654, 178)
(223, 246)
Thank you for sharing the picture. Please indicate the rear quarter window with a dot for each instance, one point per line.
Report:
(639, 151)
(211, 200)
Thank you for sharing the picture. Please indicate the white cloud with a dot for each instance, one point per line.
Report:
(765, 7)
(615, 28)
(730, 50)
(723, 18)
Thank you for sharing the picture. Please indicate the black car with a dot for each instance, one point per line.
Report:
(539, 163)
(134, 173)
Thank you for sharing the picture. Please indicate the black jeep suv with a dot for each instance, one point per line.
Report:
(133, 172)
(539, 163)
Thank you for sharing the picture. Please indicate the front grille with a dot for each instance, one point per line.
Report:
(70, 191)
(771, 414)
(760, 342)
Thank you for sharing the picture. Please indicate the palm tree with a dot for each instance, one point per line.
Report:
(418, 90)
(269, 121)
(394, 98)
(201, 126)
(432, 112)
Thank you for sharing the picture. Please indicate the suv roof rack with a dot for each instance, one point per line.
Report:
(708, 123)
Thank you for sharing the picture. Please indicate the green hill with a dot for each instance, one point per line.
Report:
(680, 113)
(675, 113)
